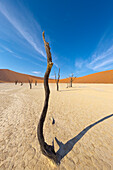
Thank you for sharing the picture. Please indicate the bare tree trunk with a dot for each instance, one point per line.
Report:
(30, 84)
(47, 150)
(58, 80)
(57, 86)
(71, 82)
(72, 79)
(21, 84)
(16, 82)
(35, 83)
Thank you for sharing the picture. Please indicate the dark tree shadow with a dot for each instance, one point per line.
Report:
(64, 149)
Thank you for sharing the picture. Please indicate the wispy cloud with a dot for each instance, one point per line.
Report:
(79, 63)
(102, 61)
(102, 64)
(80, 67)
(36, 72)
(102, 58)
(10, 51)
(52, 76)
(39, 73)
(21, 34)
(25, 24)
(56, 65)
(6, 49)
(103, 55)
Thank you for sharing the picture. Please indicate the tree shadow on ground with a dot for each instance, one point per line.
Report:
(70, 89)
(64, 149)
(74, 88)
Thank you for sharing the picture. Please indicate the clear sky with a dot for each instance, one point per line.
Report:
(80, 33)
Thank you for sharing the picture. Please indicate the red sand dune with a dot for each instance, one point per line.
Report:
(100, 77)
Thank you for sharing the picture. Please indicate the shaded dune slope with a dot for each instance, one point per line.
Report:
(12, 76)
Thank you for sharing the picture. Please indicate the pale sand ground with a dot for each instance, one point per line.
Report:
(73, 109)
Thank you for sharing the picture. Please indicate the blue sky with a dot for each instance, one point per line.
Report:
(80, 33)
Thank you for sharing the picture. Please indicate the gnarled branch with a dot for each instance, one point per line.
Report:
(47, 150)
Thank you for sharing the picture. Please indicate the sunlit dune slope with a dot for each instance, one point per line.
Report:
(100, 77)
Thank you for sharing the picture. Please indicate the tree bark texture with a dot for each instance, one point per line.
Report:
(47, 150)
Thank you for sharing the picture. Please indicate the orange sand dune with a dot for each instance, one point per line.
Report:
(12, 76)
(100, 77)
(1, 81)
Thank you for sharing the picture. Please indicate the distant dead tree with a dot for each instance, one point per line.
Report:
(16, 82)
(57, 81)
(67, 83)
(71, 79)
(36, 83)
(47, 150)
(30, 84)
(21, 83)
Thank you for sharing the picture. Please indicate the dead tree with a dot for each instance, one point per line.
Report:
(71, 79)
(21, 84)
(30, 84)
(67, 82)
(57, 80)
(47, 150)
(36, 83)
(16, 82)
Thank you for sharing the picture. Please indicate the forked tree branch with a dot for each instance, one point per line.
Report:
(47, 150)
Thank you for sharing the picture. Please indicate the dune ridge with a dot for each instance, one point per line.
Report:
(100, 77)
(10, 76)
